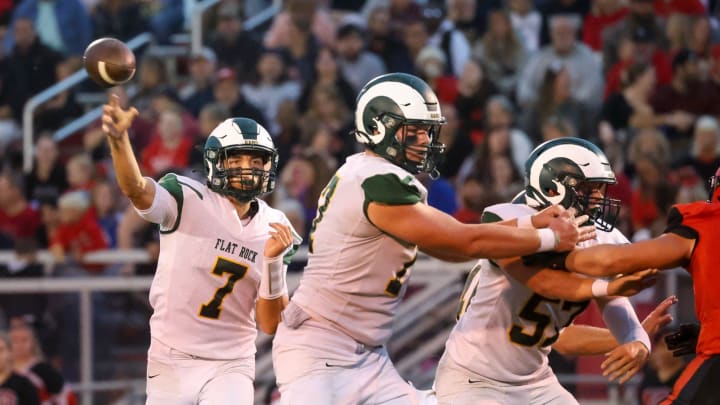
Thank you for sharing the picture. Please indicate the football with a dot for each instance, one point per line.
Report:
(109, 62)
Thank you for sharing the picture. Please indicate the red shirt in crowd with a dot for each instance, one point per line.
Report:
(80, 237)
(23, 225)
(157, 157)
(595, 24)
(660, 61)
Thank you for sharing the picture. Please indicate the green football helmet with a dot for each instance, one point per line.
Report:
(556, 170)
(386, 107)
(240, 136)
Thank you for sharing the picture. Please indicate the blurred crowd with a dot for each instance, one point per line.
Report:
(640, 78)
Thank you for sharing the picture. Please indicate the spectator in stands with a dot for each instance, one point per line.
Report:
(677, 32)
(303, 179)
(198, 92)
(527, 21)
(630, 107)
(704, 155)
(235, 47)
(582, 65)
(651, 198)
(462, 14)
(168, 18)
(327, 73)
(94, 140)
(304, 16)
(356, 64)
(18, 219)
(80, 173)
(152, 79)
(56, 112)
(556, 126)
(28, 69)
(457, 142)
(16, 389)
(63, 25)
(474, 90)
(271, 86)
(382, 41)
(478, 165)
(47, 179)
(602, 15)
(448, 38)
(402, 14)
(430, 66)
(641, 13)
(325, 127)
(471, 193)
(649, 142)
(121, 19)
(640, 48)
(29, 361)
(78, 232)
(500, 115)
(555, 99)
(49, 219)
(210, 117)
(415, 37)
(687, 91)
(288, 140)
(227, 93)
(27, 308)
(136, 233)
(104, 201)
(169, 147)
(501, 53)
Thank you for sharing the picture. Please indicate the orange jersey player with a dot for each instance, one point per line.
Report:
(691, 240)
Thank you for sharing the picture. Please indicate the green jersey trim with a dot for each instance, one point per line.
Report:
(390, 190)
(173, 185)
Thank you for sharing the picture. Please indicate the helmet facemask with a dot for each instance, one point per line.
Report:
(402, 147)
(603, 211)
(242, 184)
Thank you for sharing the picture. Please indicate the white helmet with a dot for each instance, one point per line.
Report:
(556, 169)
(389, 103)
(240, 135)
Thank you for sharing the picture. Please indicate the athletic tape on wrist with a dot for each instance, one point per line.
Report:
(600, 288)
(548, 241)
(272, 281)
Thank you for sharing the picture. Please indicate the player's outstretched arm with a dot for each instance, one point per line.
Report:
(585, 340)
(115, 124)
(668, 250)
(558, 284)
(438, 233)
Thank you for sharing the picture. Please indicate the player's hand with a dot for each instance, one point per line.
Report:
(659, 317)
(683, 341)
(115, 120)
(569, 230)
(625, 361)
(280, 239)
(632, 284)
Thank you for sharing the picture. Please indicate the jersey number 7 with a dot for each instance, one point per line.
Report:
(237, 271)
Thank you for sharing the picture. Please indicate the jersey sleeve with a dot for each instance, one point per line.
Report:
(167, 204)
(389, 189)
(677, 224)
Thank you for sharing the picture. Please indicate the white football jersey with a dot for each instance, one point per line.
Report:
(356, 274)
(208, 273)
(507, 330)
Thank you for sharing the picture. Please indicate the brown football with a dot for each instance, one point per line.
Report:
(109, 62)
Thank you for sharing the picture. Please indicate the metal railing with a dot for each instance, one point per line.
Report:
(33, 103)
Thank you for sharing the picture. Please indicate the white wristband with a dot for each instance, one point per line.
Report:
(600, 288)
(548, 241)
(525, 222)
(272, 280)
